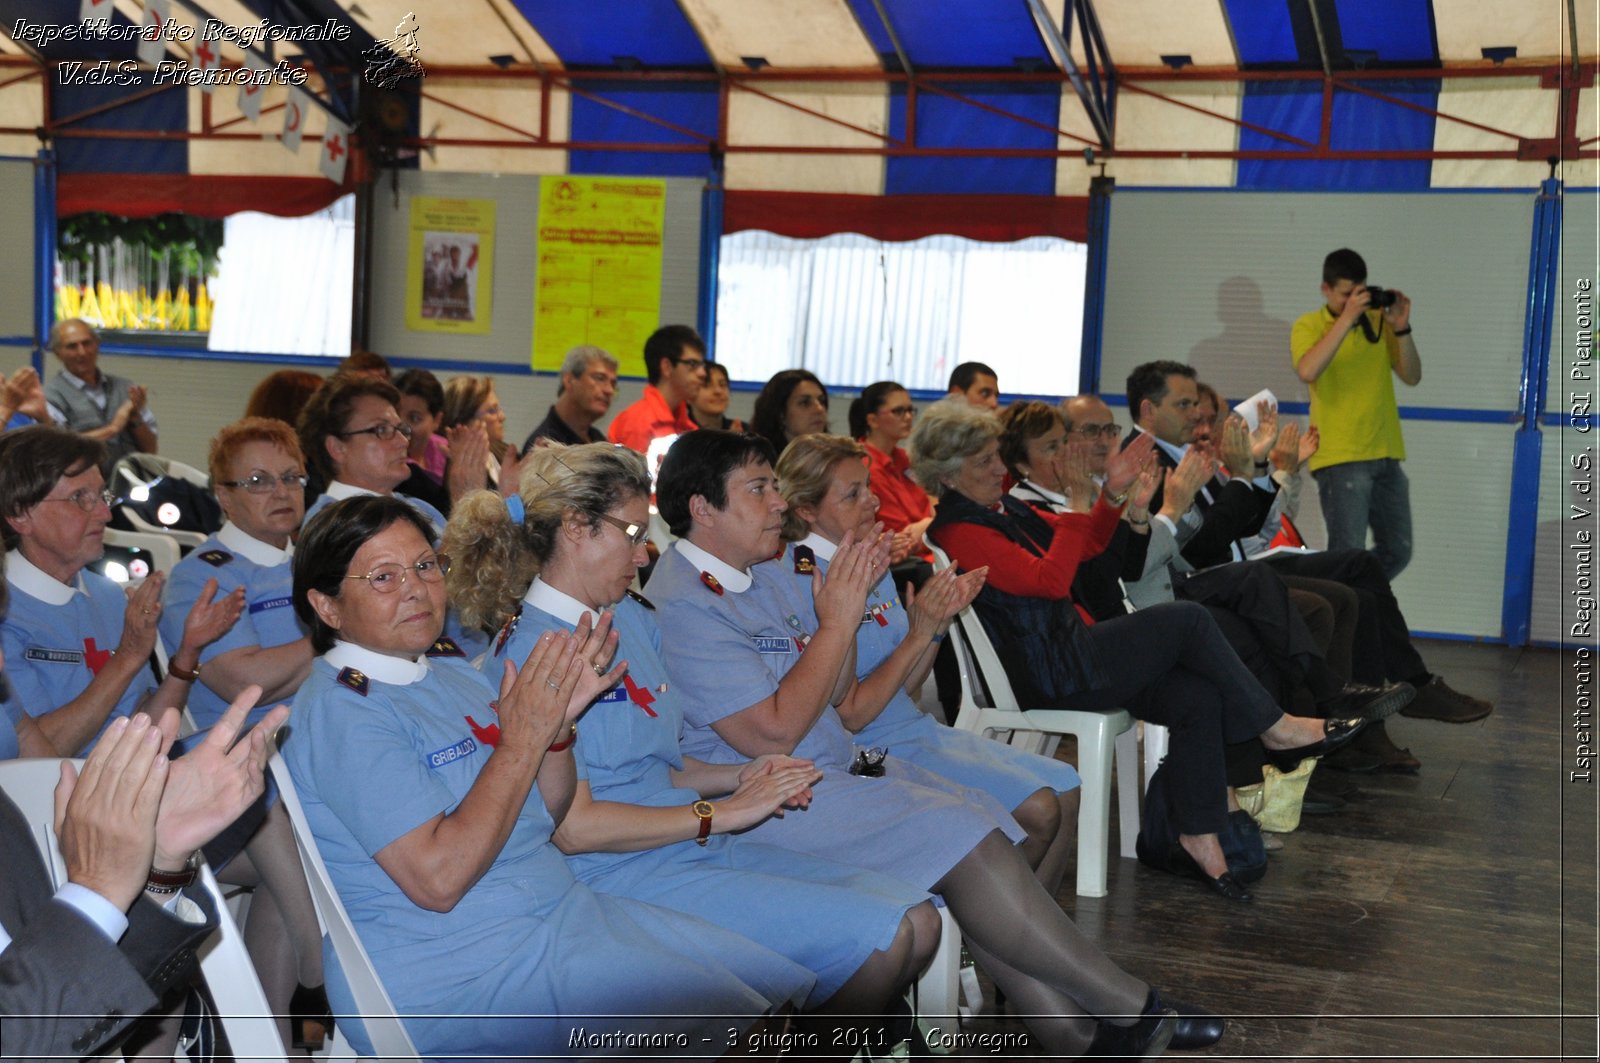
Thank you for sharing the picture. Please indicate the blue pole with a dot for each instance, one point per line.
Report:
(44, 252)
(1094, 283)
(710, 254)
(1516, 610)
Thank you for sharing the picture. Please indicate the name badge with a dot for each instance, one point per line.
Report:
(270, 603)
(36, 653)
(448, 755)
(615, 694)
(769, 644)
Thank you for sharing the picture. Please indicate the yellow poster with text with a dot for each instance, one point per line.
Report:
(599, 275)
(450, 266)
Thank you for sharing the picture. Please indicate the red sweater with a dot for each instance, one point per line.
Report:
(1078, 537)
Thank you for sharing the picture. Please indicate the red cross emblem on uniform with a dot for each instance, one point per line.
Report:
(94, 658)
(639, 695)
(490, 735)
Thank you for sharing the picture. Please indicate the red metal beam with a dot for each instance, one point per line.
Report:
(809, 111)
(1274, 133)
(634, 112)
(20, 77)
(1433, 111)
(928, 86)
(480, 117)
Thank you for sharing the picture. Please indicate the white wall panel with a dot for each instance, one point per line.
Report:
(516, 103)
(16, 268)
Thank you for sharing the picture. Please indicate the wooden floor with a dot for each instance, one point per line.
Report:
(1449, 915)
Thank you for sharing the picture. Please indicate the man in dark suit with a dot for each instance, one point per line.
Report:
(81, 965)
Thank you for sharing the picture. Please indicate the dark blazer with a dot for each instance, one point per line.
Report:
(1237, 509)
(64, 989)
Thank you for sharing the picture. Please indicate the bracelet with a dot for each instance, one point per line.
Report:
(182, 673)
(571, 738)
(1403, 331)
(1117, 501)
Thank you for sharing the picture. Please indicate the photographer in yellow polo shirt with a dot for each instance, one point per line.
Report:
(1346, 352)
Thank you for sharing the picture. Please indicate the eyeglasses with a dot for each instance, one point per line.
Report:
(692, 363)
(383, 431)
(88, 499)
(263, 483)
(1104, 431)
(901, 411)
(387, 577)
(637, 536)
(488, 411)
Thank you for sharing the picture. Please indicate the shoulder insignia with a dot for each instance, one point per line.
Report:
(507, 629)
(445, 646)
(355, 679)
(805, 561)
(641, 599)
(216, 557)
(711, 581)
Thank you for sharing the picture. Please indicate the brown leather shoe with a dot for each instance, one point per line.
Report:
(1435, 700)
(1375, 741)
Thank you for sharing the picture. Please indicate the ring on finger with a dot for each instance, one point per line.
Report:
(599, 669)
(552, 684)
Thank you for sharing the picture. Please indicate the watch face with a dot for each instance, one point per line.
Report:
(701, 808)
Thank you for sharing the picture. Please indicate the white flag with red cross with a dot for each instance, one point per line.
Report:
(207, 56)
(250, 94)
(335, 151)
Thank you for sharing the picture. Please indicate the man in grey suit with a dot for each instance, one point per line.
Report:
(79, 966)
(109, 408)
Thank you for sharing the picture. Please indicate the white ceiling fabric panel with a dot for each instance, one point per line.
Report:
(827, 37)
(753, 119)
(1515, 105)
(1538, 30)
(516, 103)
(1140, 32)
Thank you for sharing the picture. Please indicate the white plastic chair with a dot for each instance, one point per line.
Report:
(164, 548)
(242, 1007)
(384, 1029)
(1098, 733)
(938, 991)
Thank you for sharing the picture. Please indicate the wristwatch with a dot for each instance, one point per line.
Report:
(704, 810)
(159, 881)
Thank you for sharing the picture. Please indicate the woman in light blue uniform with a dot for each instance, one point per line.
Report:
(259, 476)
(76, 645)
(351, 433)
(762, 667)
(418, 783)
(640, 825)
(825, 481)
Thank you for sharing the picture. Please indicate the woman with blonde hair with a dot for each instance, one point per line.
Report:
(568, 546)
(471, 400)
(825, 481)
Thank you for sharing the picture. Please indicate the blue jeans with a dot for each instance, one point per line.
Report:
(1358, 494)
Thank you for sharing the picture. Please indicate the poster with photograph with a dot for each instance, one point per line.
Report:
(450, 277)
(599, 273)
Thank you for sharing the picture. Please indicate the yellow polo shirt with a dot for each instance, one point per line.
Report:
(1352, 402)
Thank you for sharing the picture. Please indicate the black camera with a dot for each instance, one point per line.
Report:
(1382, 298)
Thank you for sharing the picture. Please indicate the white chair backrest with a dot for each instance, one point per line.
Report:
(384, 1029)
(241, 1005)
(975, 642)
(164, 549)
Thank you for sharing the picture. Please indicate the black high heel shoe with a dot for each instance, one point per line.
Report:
(310, 1017)
(1179, 862)
(1336, 734)
(1145, 1039)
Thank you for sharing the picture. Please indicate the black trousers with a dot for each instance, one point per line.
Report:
(946, 669)
(1380, 623)
(1170, 664)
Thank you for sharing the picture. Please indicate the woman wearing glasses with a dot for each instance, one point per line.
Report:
(641, 824)
(418, 777)
(77, 647)
(881, 419)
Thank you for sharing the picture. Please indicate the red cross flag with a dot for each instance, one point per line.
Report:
(335, 151)
(295, 109)
(152, 35)
(250, 95)
(207, 56)
(88, 9)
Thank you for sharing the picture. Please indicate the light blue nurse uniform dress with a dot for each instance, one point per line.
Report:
(827, 916)
(56, 638)
(470, 639)
(728, 637)
(9, 714)
(1011, 775)
(529, 961)
(233, 559)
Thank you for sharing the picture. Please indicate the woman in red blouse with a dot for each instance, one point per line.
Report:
(1168, 663)
(881, 418)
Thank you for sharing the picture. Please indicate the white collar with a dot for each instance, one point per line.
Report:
(396, 671)
(338, 490)
(240, 541)
(731, 578)
(820, 545)
(1058, 498)
(559, 604)
(35, 582)
(78, 382)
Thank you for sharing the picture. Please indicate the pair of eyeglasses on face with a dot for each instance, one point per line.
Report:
(692, 363)
(387, 577)
(1103, 431)
(88, 499)
(488, 411)
(264, 483)
(382, 432)
(637, 536)
(902, 411)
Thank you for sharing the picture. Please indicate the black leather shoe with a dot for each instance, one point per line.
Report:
(1336, 735)
(1197, 1027)
(1368, 702)
(1179, 862)
(1145, 1039)
(310, 1017)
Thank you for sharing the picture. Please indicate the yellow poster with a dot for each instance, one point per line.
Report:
(450, 269)
(599, 273)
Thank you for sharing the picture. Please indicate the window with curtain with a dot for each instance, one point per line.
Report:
(854, 310)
